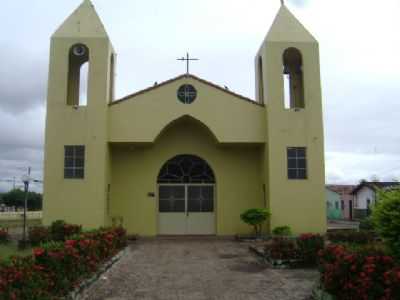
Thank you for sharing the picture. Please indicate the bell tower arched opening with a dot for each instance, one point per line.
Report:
(293, 79)
(78, 75)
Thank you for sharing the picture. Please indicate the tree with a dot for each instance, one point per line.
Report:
(255, 217)
(16, 198)
(386, 218)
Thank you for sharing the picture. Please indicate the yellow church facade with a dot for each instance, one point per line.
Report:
(184, 157)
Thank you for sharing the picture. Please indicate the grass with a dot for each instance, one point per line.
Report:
(11, 248)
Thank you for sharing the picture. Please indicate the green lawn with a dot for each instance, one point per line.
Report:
(11, 248)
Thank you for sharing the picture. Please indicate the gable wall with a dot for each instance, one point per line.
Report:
(142, 118)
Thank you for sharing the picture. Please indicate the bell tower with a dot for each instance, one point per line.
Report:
(76, 146)
(288, 83)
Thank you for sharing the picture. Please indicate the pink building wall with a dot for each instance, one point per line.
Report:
(346, 197)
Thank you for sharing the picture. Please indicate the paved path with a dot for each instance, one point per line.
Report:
(198, 269)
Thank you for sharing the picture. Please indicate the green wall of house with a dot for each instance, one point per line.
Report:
(333, 208)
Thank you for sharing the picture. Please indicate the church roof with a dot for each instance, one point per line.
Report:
(181, 77)
(287, 28)
(83, 22)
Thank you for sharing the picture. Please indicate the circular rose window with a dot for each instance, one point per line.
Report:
(187, 93)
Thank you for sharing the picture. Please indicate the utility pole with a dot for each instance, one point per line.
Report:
(25, 179)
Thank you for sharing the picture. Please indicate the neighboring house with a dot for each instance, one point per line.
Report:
(185, 156)
(365, 196)
(346, 199)
(333, 209)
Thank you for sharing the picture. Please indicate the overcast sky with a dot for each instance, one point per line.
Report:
(360, 68)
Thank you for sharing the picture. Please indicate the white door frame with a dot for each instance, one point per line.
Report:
(211, 215)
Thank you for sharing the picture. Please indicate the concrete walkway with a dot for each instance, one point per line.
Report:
(198, 269)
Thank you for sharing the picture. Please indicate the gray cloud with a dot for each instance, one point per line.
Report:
(22, 79)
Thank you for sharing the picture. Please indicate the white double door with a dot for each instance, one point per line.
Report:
(186, 209)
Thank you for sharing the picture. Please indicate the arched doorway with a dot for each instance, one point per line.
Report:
(186, 197)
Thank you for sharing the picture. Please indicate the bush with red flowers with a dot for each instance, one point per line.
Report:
(4, 236)
(57, 267)
(38, 234)
(360, 275)
(60, 230)
(309, 244)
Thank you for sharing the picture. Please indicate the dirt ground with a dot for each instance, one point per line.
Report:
(198, 269)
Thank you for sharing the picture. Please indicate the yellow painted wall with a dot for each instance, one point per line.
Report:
(231, 119)
(297, 203)
(135, 170)
(74, 200)
(245, 143)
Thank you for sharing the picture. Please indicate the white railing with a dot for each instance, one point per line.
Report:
(18, 215)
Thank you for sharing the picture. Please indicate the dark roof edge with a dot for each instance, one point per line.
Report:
(374, 185)
(180, 77)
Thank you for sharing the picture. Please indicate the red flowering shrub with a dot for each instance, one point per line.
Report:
(358, 275)
(38, 234)
(58, 266)
(60, 230)
(309, 245)
(20, 278)
(4, 236)
(392, 281)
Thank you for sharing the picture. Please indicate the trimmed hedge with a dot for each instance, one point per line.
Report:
(57, 267)
(351, 236)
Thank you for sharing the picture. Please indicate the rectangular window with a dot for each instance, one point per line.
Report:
(297, 165)
(342, 204)
(74, 162)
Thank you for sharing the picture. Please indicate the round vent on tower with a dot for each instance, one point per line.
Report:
(79, 50)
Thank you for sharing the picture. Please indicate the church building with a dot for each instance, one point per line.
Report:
(185, 156)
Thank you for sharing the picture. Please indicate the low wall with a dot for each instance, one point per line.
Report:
(15, 219)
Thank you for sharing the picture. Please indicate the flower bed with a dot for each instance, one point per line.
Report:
(57, 231)
(369, 274)
(57, 267)
(284, 252)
